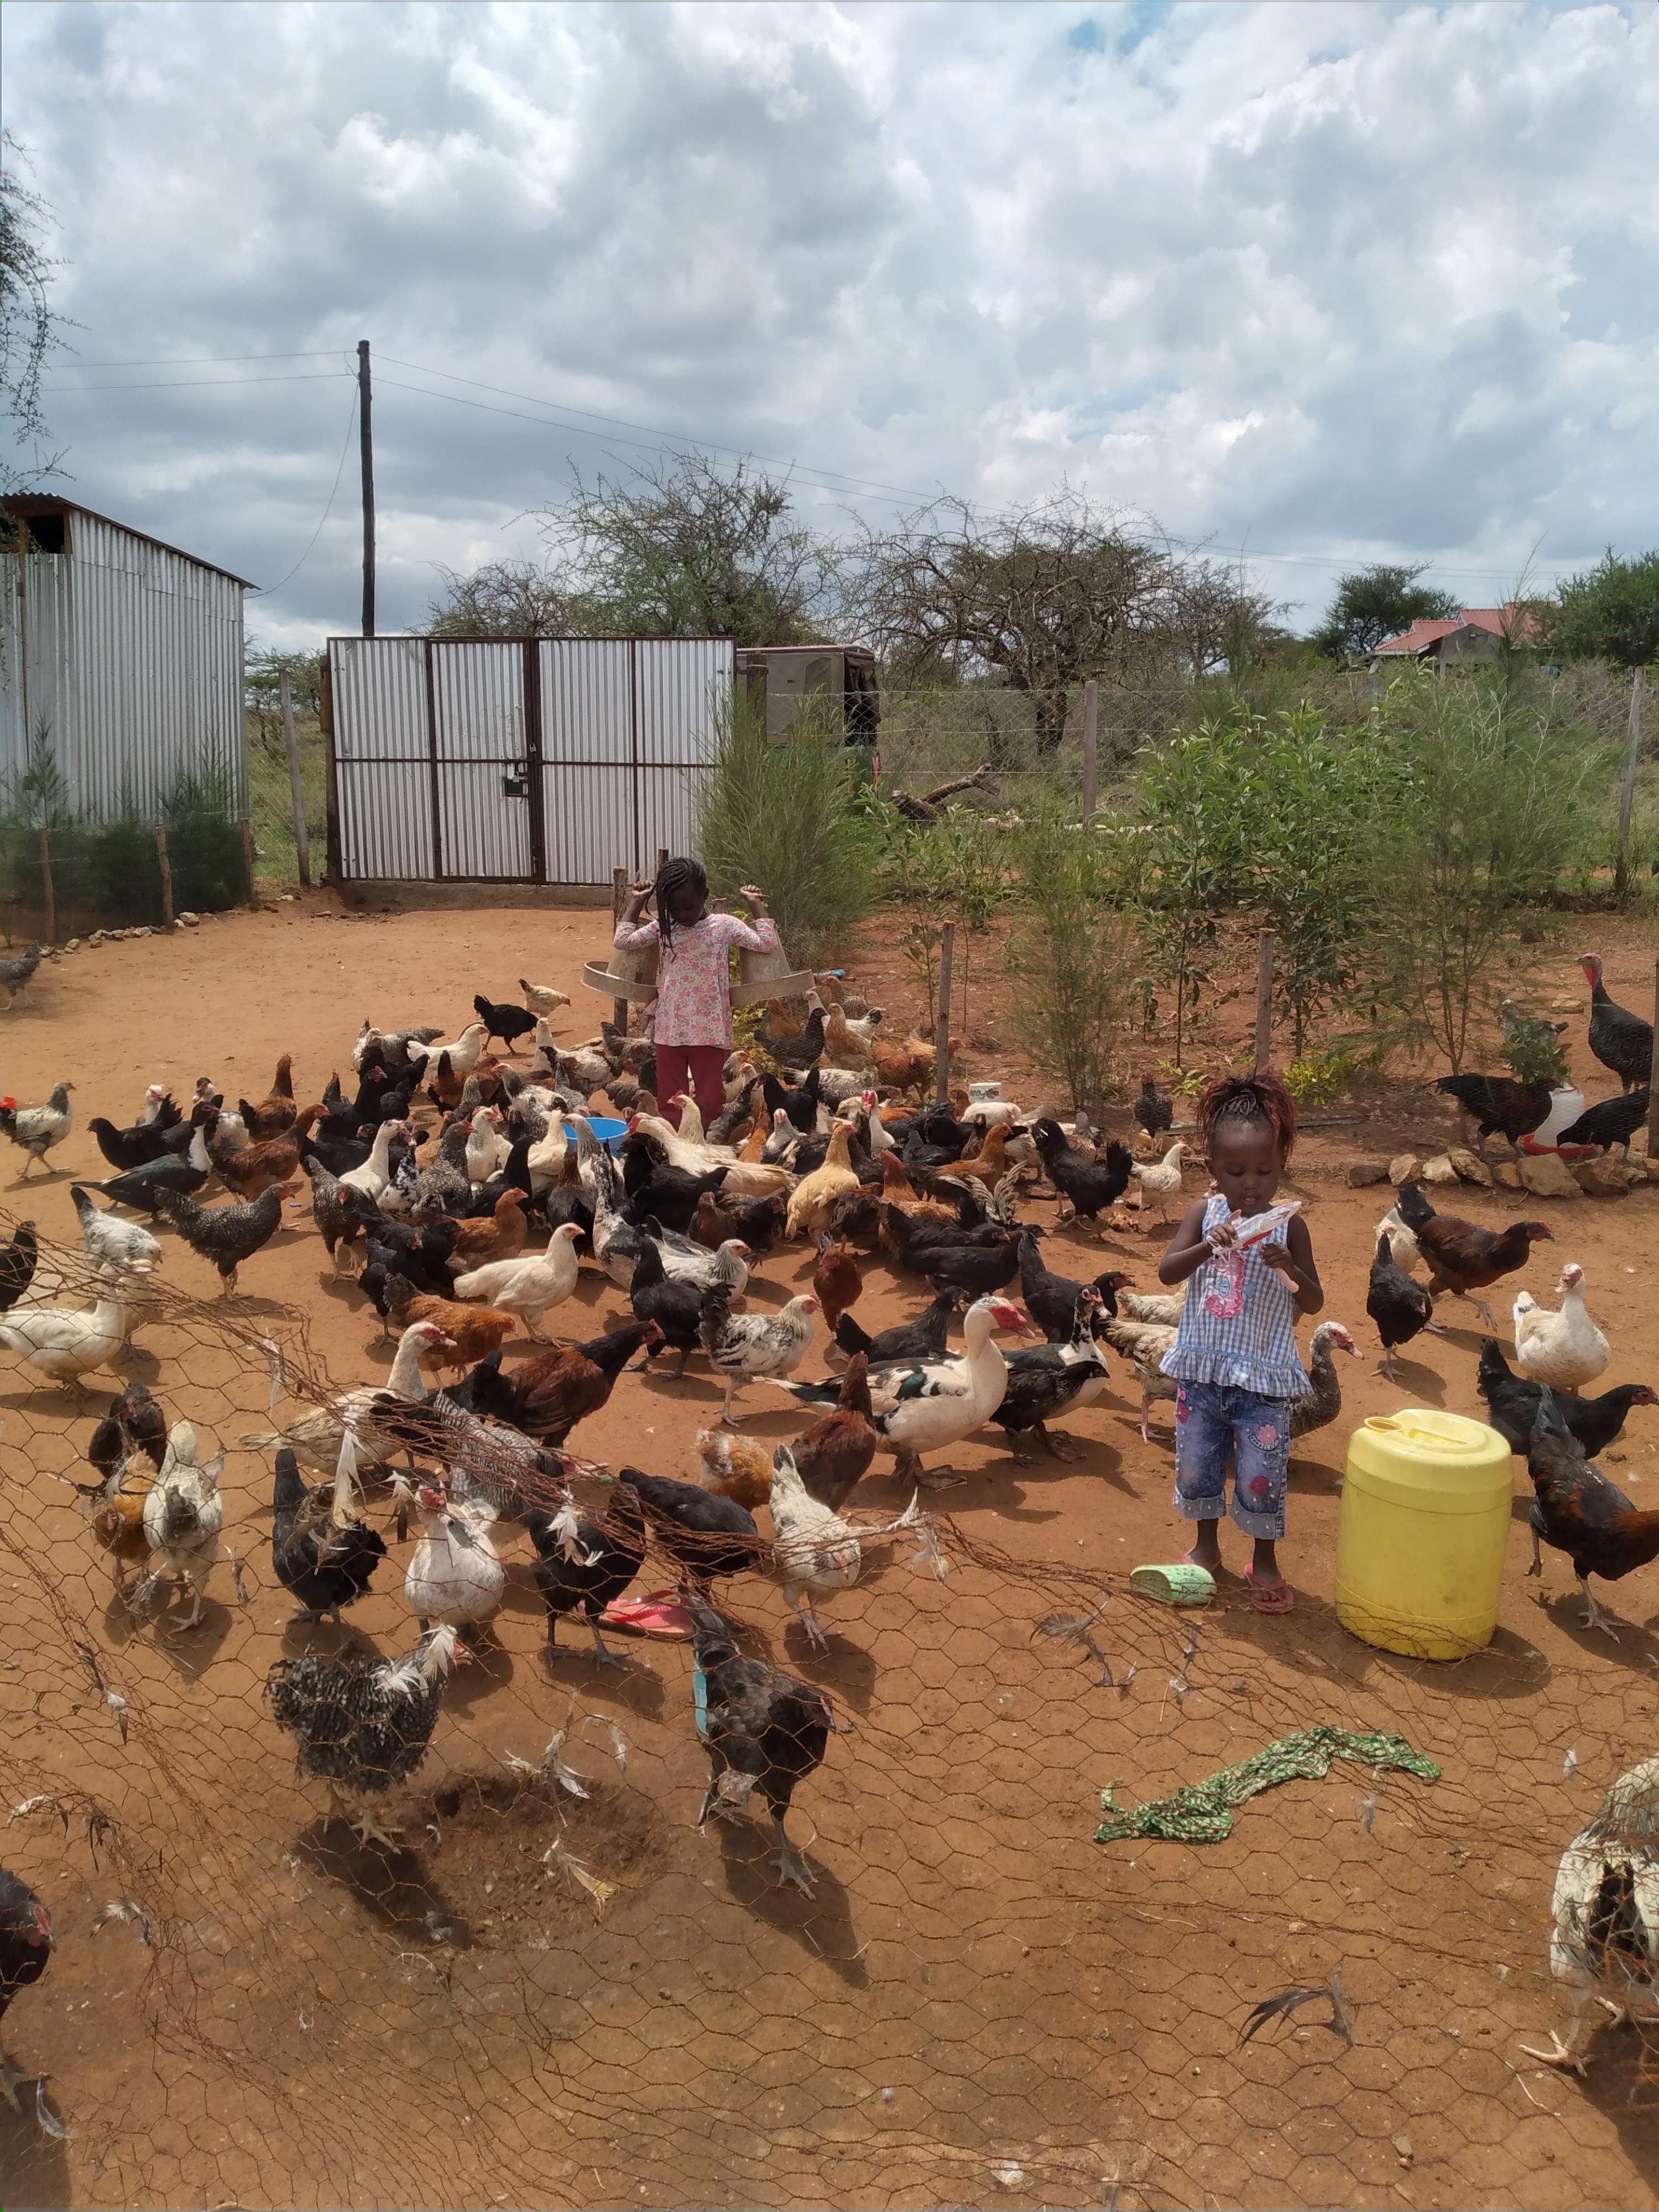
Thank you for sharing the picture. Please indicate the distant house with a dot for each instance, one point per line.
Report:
(1464, 640)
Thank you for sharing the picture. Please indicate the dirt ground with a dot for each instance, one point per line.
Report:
(979, 2001)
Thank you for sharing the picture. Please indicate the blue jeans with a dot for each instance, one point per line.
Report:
(1214, 1422)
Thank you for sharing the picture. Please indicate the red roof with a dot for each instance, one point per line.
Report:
(1424, 633)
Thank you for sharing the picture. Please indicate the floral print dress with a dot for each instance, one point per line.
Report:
(694, 1002)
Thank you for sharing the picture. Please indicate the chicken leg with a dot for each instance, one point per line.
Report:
(791, 1867)
(603, 1655)
(362, 1823)
(1593, 1616)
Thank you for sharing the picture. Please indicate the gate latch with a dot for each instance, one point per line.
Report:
(516, 786)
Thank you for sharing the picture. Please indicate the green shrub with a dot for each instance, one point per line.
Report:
(1073, 956)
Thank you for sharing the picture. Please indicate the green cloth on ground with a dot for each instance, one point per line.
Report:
(1201, 1813)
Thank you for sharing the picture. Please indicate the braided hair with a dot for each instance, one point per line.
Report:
(675, 876)
(1259, 1097)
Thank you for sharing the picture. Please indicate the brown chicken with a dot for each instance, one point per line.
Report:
(735, 1467)
(833, 1455)
(274, 1113)
(991, 1162)
(841, 1047)
(897, 1189)
(252, 1170)
(907, 1066)
(1576, 1509)
(1463, 1257)
(470, 1332)
(549, 1394)
(780, 1021)
(498, 1235)
(837, 1282)
(755, 1143)
(708, 1224)
(447, 1087)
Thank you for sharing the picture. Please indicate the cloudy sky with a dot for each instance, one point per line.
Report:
(1324, 283)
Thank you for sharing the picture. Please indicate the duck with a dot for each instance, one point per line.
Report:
(938, 1402)
(1565, 1348)
(1048, 1380)
(1322, 1404)
(455, 1576)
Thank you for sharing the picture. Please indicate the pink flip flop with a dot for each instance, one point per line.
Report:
(660, 1613)
(1269, 1597)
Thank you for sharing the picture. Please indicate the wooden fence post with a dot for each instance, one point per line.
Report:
(942, 1032)
(1090, 747)
(1627, 787)
(166, 867)
(245, 826)
(1264, 1000)
(619, 1007)
(301, 839)
(48, 893)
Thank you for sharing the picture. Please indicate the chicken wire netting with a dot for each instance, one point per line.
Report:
(551, 1995)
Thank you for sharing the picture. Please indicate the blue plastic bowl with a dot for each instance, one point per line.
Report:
(609, 1133)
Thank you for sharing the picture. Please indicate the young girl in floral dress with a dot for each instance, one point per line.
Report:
(1235, 1354)
(693, 1027)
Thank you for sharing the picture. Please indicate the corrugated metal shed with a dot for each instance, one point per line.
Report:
(127, 653)
(523, 759)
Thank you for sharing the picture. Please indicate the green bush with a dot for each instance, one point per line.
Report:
(1073, 956)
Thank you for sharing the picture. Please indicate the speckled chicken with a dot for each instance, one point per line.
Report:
(38, 1129)
(362, 1724)
(226, 1235)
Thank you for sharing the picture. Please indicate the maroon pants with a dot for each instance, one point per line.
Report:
(694, 1067)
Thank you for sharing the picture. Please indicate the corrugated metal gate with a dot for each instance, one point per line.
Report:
(527, 760)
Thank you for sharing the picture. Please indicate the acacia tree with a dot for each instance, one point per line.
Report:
(1377, 603)
(1044, 596)
(1611, 612)
(507, 598)
(28, 328)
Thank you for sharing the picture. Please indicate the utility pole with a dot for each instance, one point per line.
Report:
(366, 447)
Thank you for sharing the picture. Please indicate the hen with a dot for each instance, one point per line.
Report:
(1614, 1122)
(1565, 1348)
(705, 1534)
(922, 1339)
(1152, 1109)
(26, 1944)
(1088, 1190)
(815, 1553)
(38, 1129)
(551, 1392)
(1462, 1257)
(1047, 1380)
(1512, 1405)
(541, 998)
(1401, 1308)
(1620, 1040)
(1605, 1943)
(108, 1243)
(274, 1113)
(183, 1516)
(527, 1286)
(754, 1344)
(763, 1730)
(16, 974)
(734, 1465)
(469, 1334)
(837, 1281)
(583, 1565)
(363, 1724)
(811, 1201)
(226, 1235)
(509, 1023)
(325, 1567)
(834, 1454)
(1498, 1102)
(1576, 1509)
(1161, 1182)
(674, 1308)
(1051, 1299)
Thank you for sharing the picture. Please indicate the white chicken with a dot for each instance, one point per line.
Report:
(753, 1343)
(815, 1552)
(1402, 1245)
(1565, 1349)
(113, 1243)
(527, 1287)
(315, 1435)
(744, 1178)
(63, 1345)
(37, 1128)
(486, 1148)
(1605, 1944)
(183, 1516)
(464, 1051)
(455, 1575)
(1161, 1181)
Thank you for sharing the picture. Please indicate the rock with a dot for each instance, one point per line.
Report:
(1637, 1171)
(74, 944)
(1405, 1167)
(1546, 1175)
(1362, 1172)
(1439, 1169)
(189, 920)
(1469, 1166)
(1507, 1175)
(1601, 1179)
(1498, 1148)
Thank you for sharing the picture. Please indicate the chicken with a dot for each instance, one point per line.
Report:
(498, 1235)
(276, 1113)
(391, 1048)
(456, 1576)
(735, 1467)
(1576, 1509)
(38, 1129)
(542, 999)
(1143, 1345)
(837, 1282)
(583, 1565)
(1605, 1942)
(553, 1390)
(1047, 1380)
(1402, 1245)
(251, 1169)
(1512, 1405)
(847, 1042)
(674, 1306)
(323, 1566)
(1152, 1109)
(1462, 1257)
(63, 1345)
(146, 1140)
(1401, 1308)
(462, 1053)
(527, 1286)
(25, 1947)
(993, 1160)
(908, 1067)
(815, 1194)
(134, 1423)
(923, 1339)
(1498, 1102)
(977, 1269)
(814, 1552)
(1564, 1349)
(226, 1235)
(834, 1454)
(1162, 1308)
(365, 1724)
(506, 1022)
(183, 1514)
(1620, 1040)
(754, 1344)
(1162, 1182)
(742, 1179)
(802, 1051)
(1614, 1122)
(1318, 1407)
(763, 1728)
(16, 974)
(705, 1534)
(108, 1243)
(468, 1333)
(1087, 1189)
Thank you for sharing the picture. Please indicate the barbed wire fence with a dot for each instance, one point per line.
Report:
(557, 1990)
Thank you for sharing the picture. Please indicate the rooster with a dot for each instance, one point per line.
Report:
(38, 1129)
(183, 1516)
(1498, 1104)
(753, 1343)
(763, 1730)
(1576, 1509)
(1088, 1190)
(551, 1392)
(363, 1725)
(1463, 1258)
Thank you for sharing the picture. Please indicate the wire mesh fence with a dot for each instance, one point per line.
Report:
(552, 1988)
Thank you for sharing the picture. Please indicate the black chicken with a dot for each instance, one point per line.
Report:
(1051, 1299)
(582, 1566)
(26, 1942)
(1401, 1307)
(1620, 1040)
(1614, 1122)
(363, 1723)
(923, 1339)
(757, 1723)
(126, 1149)
(325, 1567)
(799, 1101)
(226, 1235)
(976, 1269)
(506, 1022)
(146, 1186)
(18, 1260)
(1576, 1509)
(1512, 1405)
(674, 1303)
(1152, 1109)
(1498, 1102)
(134, 1423)
(1089, 1188)
(804, 1050)
(705, 1534)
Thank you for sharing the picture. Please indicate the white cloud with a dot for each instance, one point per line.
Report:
(1329, 280)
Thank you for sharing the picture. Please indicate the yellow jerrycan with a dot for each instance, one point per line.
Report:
(1421, 1537)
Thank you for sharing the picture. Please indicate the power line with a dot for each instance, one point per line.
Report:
(211, 383)
(267, 592)
(206, 360)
